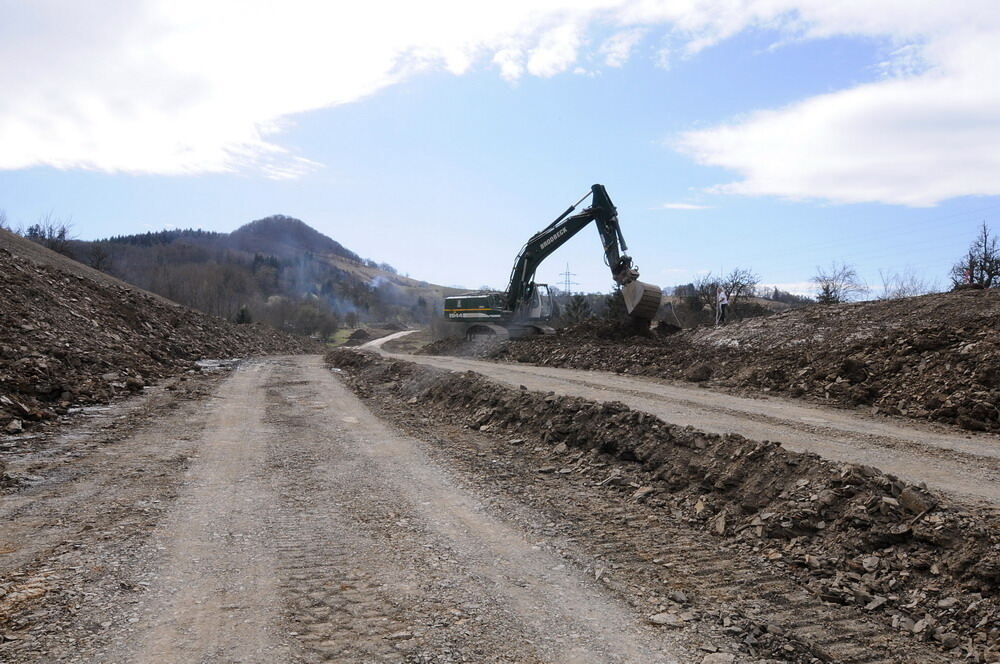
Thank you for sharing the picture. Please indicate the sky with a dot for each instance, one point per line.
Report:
(775, 135)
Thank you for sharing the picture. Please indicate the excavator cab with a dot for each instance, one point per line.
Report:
(539, 304)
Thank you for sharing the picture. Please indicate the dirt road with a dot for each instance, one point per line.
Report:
(298, 527)
(274, 517)
(963, 464)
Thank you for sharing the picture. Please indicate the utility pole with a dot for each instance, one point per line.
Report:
(567, 280)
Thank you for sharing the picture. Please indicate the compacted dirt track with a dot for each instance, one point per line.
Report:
(956, 462)
(276, 517)
(299, 527)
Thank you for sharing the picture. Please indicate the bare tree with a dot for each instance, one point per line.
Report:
(705, 291)
(100, 258)
(51, 233)
(740, 284)
(3, 220)
(896, 285)
(980, 267)
(838, 283)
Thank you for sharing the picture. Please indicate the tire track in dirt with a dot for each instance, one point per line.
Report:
(429, 576)
(648, 555)
(306, 530)
(214, 595)
(70, 537)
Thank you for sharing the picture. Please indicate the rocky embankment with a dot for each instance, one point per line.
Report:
(935, 357)
(68, 338)
(851, 534)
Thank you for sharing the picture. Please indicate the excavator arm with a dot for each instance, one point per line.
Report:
(641, 300)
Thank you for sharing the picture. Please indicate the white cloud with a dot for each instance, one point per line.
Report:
(682, 206)
(618, 48)
(555, 52)
(188, 86)
(913, 141)
(929, 130)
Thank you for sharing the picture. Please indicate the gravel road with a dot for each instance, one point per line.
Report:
(272, 516)
(962, 464)
(280, 520)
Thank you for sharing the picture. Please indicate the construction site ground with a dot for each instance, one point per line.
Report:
(269, 514)
(948, 459)
(272, 517)
(383, 505)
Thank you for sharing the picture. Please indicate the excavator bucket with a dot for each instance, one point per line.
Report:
(642, 300)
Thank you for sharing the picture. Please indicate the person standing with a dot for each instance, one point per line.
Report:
(722, 300)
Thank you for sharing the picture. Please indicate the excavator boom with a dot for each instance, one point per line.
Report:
(641, 300)
(525, 306)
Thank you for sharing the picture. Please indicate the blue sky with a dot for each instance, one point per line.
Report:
(778, 139)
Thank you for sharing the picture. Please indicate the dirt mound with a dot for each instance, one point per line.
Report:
(358, 337)
(852, 534)
(934, 357)
(366, 334)
(461, 347)
(67, 338)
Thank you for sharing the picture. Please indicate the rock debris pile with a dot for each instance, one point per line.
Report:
(934, 357)
(358, 337)
(851, 534)
(66, 340)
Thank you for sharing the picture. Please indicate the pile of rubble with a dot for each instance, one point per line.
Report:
(460, 347)
(66, 339)
(358, 337)
(852, 534)
(933, 357)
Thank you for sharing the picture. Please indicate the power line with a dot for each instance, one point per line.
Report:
(567, 280)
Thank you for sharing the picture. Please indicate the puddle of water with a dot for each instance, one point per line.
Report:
(88, 409)
(218, 365)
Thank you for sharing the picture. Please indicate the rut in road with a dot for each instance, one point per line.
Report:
(959, 464)
(308, 530)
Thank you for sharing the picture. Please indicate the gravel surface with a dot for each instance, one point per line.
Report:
(934, 357)
(851, 535)
(961, 463)
(279, 520)
(274, 516)
(73, 336)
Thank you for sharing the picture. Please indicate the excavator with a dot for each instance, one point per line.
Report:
(525, 308)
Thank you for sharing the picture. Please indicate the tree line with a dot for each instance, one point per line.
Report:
(303, 293)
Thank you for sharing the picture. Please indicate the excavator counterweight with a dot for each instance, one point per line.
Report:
(525, 307)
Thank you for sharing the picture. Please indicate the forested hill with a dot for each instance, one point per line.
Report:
(276, 270)
(286, 237)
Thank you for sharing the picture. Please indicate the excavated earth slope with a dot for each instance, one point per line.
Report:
(70, 335)
(933, 357)
(854, 536)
